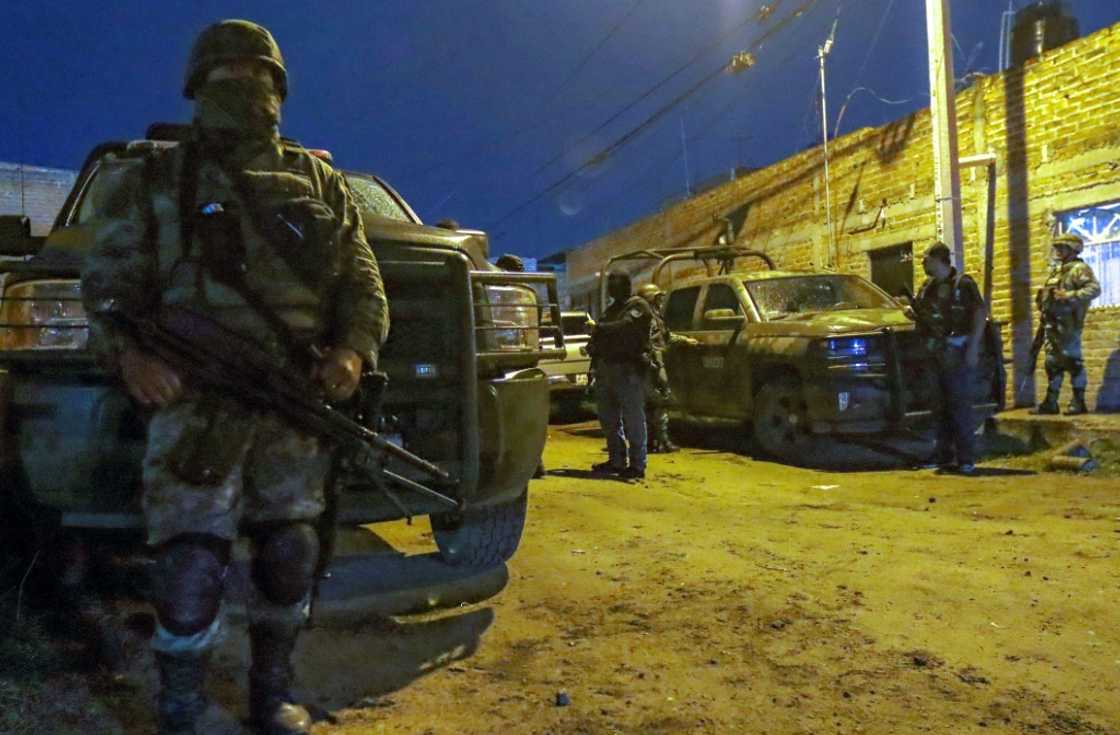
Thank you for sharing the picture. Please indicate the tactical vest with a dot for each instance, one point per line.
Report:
(945, 317)
(255, 248)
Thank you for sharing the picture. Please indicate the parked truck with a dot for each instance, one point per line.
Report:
(464, 389)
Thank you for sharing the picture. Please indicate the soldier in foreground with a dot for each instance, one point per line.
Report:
(266, 240)
(659, 396)
(619, 346)
(952, 316)
(1063, 301)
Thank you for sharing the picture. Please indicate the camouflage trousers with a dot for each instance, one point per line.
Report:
(1058, 363)
(212, 464)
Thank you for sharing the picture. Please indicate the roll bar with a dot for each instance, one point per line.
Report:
(724, 256)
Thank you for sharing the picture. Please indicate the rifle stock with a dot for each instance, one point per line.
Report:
(227, 362)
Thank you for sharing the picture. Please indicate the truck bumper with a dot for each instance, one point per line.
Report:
(512, 434)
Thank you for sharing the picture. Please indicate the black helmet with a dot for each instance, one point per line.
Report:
(234, 40)
(510, 262)
(618, 286)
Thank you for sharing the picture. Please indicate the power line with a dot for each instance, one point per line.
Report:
(758, 15)
(652, 119)
(863, 66)
(506, 138)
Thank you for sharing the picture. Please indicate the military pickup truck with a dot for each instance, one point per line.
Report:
(464, 391)
(798, 356)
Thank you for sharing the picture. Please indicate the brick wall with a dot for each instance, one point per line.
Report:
(1051, 126)
(37, 192)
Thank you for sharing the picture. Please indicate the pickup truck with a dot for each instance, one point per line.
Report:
(801, 355)
(464, 391)
(569, 377)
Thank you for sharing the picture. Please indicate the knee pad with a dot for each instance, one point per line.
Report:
(284, 562)
(187, 582)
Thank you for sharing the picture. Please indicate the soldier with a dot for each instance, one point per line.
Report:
(1063, 301)
(510, 262)
(659, 396)
(952, 316)
(266, 240)
(619, 348)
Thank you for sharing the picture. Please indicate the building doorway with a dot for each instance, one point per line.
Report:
(892, 269)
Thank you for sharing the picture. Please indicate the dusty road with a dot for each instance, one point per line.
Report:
(728, 595)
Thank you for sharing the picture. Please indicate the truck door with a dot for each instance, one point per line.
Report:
(682, 363)
(720, 318)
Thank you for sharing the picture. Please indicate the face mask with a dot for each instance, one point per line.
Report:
(248, 105)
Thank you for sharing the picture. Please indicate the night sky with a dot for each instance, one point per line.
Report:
(461, 103)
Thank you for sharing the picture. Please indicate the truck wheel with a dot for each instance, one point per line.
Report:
(781, 420)
(481, 537)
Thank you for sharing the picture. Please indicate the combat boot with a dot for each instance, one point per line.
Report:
(1077, 406)
(272, 707)
(1049, 405)
(184, 708)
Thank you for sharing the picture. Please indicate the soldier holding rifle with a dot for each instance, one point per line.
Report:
(266, 241)
(1063, 302)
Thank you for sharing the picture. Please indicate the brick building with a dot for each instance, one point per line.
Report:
(37, 192)
(1051, 126)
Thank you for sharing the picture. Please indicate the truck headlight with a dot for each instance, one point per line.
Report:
(848, 346)
(511, 320)
(43, 315)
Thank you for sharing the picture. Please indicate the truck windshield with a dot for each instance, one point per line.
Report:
(574, 324)
(779, 298)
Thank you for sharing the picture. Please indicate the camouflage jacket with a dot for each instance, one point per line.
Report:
(299, 245)
(1064, 319)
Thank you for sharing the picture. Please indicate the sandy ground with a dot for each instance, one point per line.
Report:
(729, 595)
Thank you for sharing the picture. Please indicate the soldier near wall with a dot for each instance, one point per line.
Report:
(952, 317)
(659, 396)
(1063, 302)
(267, 241)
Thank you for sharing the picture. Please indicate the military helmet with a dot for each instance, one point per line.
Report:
(510, 262)
(234, 40)
(1070, 240)
(649, 292)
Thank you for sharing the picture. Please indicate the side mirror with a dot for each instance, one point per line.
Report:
(725, 316)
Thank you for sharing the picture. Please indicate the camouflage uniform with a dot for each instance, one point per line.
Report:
(266, 240)
(659, 396)
(1063, 321)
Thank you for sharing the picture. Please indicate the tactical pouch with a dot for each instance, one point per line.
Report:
(212, 443)
(218, 229)
(304, 232)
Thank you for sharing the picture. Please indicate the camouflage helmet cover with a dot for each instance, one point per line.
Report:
(234, 40)
(1070, 240)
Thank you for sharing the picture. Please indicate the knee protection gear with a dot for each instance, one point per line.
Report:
(187, 582)
(284, 562)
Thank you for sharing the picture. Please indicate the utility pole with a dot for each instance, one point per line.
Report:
(822, 53)
(943, 112)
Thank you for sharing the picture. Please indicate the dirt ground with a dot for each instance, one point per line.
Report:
(730, 595)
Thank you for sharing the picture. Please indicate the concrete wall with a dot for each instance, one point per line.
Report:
(1052, 127)
(37, 192)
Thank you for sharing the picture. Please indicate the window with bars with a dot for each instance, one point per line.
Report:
(1099, 227)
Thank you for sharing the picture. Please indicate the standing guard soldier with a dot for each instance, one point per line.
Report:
(619, 347)
(1063, 301)
(659, 396)
(952, 316)
(266, 240)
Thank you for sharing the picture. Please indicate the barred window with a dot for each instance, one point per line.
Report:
(1099, 226)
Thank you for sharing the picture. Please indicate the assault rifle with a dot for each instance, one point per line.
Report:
(1045, 300)
(225, 361)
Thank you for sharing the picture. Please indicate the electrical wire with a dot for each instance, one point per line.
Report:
(756, 16)
(507, 139)
(645, 124)
(863, 66)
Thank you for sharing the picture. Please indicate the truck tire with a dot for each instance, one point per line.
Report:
(780, 422)
(481, 537)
